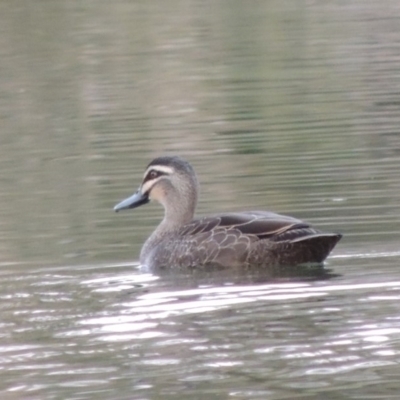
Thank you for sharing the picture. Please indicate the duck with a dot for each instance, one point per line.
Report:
(248, 239)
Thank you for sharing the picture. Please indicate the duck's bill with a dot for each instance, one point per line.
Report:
(134, 201)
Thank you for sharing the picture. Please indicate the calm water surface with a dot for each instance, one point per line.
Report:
(290, 106)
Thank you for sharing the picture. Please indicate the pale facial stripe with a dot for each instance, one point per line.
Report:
(160, 168)
(147, 185)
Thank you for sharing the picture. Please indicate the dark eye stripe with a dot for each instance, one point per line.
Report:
(153, 174)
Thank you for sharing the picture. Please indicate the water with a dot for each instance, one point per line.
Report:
(288, 106)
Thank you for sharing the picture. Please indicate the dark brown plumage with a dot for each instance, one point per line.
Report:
(240, 240)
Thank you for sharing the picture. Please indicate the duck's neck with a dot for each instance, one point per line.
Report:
(178, 212)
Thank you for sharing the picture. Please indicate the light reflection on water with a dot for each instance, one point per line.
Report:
(99, 324)
(227, 333)
(166, 304)
(365, 254)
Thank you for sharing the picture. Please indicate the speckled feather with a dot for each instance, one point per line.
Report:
(257, 239)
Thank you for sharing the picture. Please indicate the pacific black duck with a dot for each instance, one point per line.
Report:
(244, 239)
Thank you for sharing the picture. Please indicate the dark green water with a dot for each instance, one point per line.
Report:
(290, 106)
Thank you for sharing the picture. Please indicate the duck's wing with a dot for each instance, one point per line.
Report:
(254, 238)
(255, 225)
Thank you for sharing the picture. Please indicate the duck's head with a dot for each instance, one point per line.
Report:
(172, 182)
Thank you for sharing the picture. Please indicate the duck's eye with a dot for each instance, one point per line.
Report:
(153, 174)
